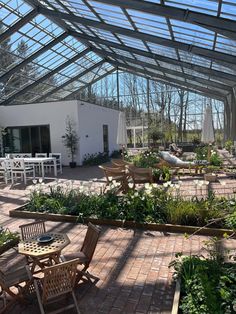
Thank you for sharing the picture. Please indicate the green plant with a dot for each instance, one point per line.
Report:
(144, 159)
(7, 236)
(70, 139)
(95, 159)
(215, 159)
(208, 285)
(228, 145)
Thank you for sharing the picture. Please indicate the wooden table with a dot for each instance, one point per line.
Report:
(38, 251)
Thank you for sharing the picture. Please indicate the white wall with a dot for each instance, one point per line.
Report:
(89, 119)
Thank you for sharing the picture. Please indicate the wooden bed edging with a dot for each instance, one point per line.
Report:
(19, 213)
(175, 306)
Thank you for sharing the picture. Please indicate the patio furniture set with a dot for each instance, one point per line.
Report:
(25, 165)
(48, 273)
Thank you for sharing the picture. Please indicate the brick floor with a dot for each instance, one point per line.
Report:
(132, 264)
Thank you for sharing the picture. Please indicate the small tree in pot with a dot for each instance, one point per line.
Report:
(70, 140)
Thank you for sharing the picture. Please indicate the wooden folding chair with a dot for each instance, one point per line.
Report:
(10, 283)
(58, 280)
(140, 175)
(115, 174)
(32, 229)
(86, 252)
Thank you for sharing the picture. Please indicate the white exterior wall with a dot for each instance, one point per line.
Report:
(89, 119)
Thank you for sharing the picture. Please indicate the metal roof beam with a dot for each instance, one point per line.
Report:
(48, 75)
(88, 84)
(165, 70)
(178, 86)
(216, 73)
(170, 80)
(75, 78)
(32, 57)
(207, 53)
(220, 25)
(15, 27)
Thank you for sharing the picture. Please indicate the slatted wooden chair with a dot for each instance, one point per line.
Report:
(140, 175)
(32, 229)
(86, 252)
(11, 285)
(58, 280)
(115, 174)
(121, 163)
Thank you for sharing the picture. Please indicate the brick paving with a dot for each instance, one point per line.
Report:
(132, 264)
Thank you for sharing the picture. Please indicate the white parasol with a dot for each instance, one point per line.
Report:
(122, 131)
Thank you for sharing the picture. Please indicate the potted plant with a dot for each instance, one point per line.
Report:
(70, 140)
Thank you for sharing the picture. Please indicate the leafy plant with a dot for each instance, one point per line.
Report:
(208, 284)
(95, 159)
(70, 139)
(228, 145)
(7, 236)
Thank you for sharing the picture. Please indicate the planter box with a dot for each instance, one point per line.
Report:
(211, 177)
(8, 245)
(19, 213)
(175, 306)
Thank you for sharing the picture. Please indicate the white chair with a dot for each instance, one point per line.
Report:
(18, 167)
(40, 155)
(21, 155)
(58, 161)
(5, 170)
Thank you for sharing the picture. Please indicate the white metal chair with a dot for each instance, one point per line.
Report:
(58, 161)
(18, 166)
(5, 170)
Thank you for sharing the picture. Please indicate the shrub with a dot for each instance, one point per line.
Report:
(150, 204)
(95, 159)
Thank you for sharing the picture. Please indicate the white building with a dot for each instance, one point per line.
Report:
(40, 127)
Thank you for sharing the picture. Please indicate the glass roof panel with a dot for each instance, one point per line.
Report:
(203, 6)
(228, 9)
(226, 45)
(149, 23)
(162, 50)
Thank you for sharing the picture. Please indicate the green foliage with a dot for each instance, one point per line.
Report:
(154, 134)
(6, 236)
(150, 204)
(208, 285)
(215, 159)
(144, 159)
(202, 154)
(228, 145)
(95, 159)
(70, 139)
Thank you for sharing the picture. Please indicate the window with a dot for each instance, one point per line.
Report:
(27, 139)
(105, 138)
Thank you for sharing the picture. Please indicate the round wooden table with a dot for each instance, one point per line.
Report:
(40, 251)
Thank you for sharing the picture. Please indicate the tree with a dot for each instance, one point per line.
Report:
(70, 139)
(6, 59)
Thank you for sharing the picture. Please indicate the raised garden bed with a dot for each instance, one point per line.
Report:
(205, 285)
(20, 212)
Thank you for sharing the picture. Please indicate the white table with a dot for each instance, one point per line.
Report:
(40, 161)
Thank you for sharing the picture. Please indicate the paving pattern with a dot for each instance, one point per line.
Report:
(132, 265)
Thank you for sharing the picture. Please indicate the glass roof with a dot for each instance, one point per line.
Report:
(49, 56)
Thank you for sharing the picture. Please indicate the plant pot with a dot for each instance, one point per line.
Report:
(72, 164)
